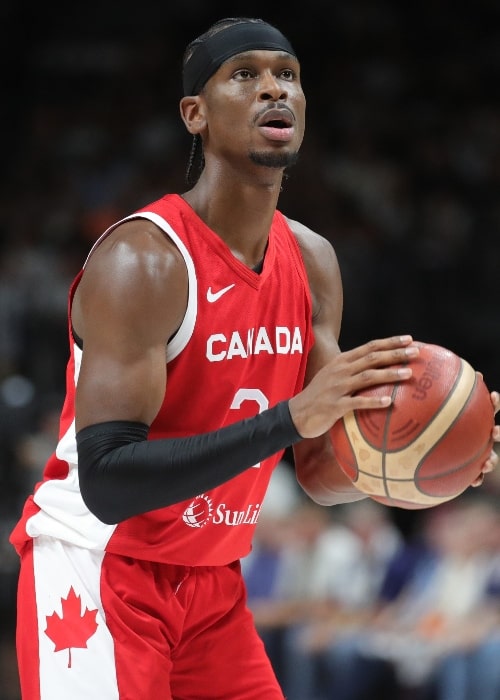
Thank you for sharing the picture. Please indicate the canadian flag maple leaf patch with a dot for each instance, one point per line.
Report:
(74, 628)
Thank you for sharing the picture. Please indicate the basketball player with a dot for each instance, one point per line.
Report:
(203, 336)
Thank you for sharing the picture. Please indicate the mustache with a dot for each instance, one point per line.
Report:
(274, 105)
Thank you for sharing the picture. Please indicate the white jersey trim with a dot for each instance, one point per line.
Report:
(177, 344)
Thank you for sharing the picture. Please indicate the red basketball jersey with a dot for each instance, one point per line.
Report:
(242, 347)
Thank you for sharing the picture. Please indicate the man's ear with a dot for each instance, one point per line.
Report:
(192, 113)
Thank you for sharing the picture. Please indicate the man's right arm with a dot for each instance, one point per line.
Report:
(130, 301)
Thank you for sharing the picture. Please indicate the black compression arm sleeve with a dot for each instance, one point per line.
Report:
(123, 474)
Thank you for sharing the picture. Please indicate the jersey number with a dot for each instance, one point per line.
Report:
(250, 395)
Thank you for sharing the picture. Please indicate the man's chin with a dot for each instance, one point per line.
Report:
(277, 160)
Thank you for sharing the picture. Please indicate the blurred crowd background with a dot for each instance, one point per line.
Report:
(400, 169)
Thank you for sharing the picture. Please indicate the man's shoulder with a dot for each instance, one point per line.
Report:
(169, 200)
(310, 242)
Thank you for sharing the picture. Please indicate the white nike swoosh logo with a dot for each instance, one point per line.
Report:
(213, 296)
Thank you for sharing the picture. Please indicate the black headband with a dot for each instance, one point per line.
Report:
(208, 56)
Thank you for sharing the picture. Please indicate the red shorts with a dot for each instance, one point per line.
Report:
(97, 625)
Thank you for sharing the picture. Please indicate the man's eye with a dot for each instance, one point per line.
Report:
(243, 73)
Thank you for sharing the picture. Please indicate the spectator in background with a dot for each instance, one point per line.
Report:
(470, 667)
(432, 626)
(264, 569)
(342, 562)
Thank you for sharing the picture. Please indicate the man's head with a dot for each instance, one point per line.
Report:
(226, 38)
(234, 74)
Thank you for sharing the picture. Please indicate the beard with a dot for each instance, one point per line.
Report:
(276, 160)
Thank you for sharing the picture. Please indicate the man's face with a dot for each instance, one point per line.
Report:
(255, 108)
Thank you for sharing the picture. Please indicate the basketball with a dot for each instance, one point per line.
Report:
(429, 445)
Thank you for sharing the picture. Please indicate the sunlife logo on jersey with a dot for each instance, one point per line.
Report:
(255, 341)
(201, 511)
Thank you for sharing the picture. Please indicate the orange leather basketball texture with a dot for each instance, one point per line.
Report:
(430, 444)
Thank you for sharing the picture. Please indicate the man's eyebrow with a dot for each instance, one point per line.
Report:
(249, 54)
